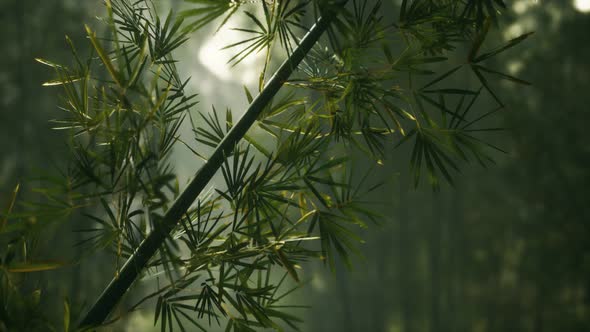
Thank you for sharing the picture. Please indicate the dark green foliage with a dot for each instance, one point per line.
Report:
(504, 250)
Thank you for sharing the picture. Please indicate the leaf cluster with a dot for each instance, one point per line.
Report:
(289, 192)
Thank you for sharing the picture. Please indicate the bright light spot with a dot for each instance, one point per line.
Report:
(521, 6)
(318, 283)
(582, 5)
(513, 31)
(514, 67)
(395, 327)
(141, 321)
(526, 24)
(214, 58)
(250, 75)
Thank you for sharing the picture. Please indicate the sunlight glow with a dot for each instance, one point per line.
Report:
(514, 67)
(582, 5)
(522, 6)
(318, 283)
(214, 58)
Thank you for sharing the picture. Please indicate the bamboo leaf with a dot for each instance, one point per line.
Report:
(66, 317)
(103, 56)
(33, 267)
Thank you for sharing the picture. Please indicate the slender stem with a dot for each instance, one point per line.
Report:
(268, 51)
(148, 247)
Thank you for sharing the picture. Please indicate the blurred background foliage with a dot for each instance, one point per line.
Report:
(506, 249)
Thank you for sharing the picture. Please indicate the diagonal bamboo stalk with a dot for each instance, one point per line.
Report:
(148, 247)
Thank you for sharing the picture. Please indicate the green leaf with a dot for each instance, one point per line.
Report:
(33, 267)
(503, 76)
(49, 63)
(486, 84)
(66, 315)
(209, 11)
(103, 56)
(511, 43)
(10, 206)
(441, 77)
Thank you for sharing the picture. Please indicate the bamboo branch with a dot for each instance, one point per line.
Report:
(137, 262)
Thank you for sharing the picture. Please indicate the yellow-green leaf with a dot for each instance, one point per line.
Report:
(33, 267)
(66, 315)
(103, 55)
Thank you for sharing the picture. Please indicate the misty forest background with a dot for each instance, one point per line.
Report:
(506, 249)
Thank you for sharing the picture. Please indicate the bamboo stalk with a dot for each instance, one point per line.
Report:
(137, 262)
